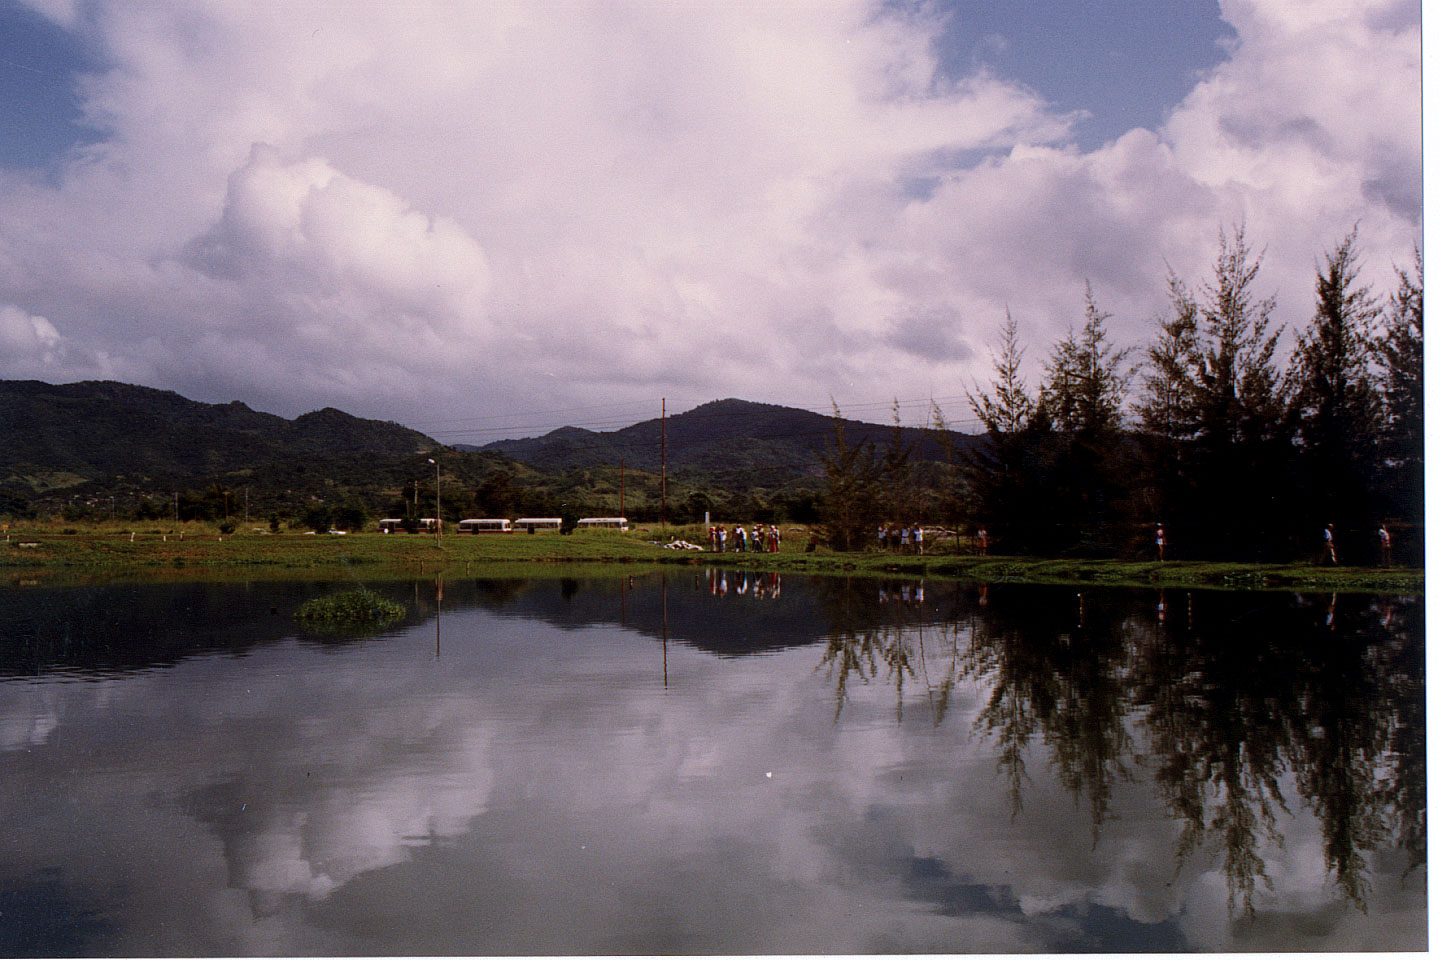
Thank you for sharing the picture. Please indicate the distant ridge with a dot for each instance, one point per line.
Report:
(715, 437)
(103, 439)
(64, 433)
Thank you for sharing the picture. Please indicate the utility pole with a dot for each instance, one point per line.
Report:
(662, 462)
(437, 502)
(622, 486)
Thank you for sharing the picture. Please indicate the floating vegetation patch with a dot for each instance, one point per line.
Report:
(358, 606)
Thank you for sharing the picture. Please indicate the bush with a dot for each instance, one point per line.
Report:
(350, 606)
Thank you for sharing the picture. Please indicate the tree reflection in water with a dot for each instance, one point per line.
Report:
(1228, 706)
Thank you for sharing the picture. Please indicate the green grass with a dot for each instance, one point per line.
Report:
(196, 551)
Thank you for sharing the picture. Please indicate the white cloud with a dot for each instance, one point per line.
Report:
(398, 208)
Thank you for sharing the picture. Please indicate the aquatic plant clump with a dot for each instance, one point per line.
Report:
(350, 606)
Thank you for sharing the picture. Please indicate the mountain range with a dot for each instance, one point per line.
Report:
(60, 435)
(94, 441)
(719, 438)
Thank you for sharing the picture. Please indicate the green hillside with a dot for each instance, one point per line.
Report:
(97, 450)
(735, 439)
(59, 434)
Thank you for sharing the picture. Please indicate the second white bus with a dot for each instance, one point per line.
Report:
(537, 524)
(484, 526)
(603, 523)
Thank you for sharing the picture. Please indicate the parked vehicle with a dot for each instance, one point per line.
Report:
(537, 524)
(484, 526)
(603, 523)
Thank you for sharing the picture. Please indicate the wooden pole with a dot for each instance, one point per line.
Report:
(662, 462)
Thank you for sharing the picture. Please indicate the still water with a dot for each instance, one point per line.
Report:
(709, 762)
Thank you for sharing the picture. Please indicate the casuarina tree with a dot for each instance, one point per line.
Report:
(1335, 400)
(1235, 413)
(1400, 353)
(850, 506)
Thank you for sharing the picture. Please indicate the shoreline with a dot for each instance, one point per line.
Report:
(110, 556)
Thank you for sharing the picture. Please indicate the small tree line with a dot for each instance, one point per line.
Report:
(1239, 452)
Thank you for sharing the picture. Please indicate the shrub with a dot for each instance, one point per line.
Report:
(350, 606)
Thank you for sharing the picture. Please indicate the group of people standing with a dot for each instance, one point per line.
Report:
(1328, 556)
(1383, 535)
(905, 539)
(759, 539)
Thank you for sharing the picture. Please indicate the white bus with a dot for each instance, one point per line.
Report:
(483, 526)
(603, 523)
(533, 524)
(393, 525)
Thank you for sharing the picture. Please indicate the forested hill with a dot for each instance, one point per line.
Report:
(716, 437)
(56, 434)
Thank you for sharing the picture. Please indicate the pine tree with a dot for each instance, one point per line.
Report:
(1401, 355)
(1167, 411)
(953, 490)
(1084, 393)
(850, 506)
(1003, 473)
(1239, 394)
(1010, 409)
(896, 472)
(1229, 414)
(1168, 402)
(1336, 404)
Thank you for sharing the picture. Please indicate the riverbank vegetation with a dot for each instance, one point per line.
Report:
(1209, 442)
(191, 550)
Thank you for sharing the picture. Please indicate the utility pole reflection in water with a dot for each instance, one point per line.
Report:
(664, 634)
(439, 595)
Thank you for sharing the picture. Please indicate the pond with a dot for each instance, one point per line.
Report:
(709, 762)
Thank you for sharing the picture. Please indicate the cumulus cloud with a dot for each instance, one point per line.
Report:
(462, 208)
(34, 349)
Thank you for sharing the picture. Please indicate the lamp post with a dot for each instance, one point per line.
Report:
(437, 501)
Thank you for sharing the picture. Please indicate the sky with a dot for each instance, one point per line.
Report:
(488, 219)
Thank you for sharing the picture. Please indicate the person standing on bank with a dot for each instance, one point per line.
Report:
(1330, 544)
(1384, 546)
(1160, 542)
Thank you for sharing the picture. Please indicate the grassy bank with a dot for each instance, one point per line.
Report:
(196, 550)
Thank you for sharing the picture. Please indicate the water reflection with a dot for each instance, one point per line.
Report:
(710, 762)
(1247, 699)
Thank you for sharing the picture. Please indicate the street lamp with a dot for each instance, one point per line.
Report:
(437, 500)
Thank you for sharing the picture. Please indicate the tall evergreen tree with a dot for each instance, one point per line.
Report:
(1240, 398)
(897, 472)
(1241, 449)
(1166, 412)
(1084, 394)
(1335, 402)
(1401, 355)
(1167, 405)
(953, 492)
(1007, 474)
(850, 505)
(1009, 410)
